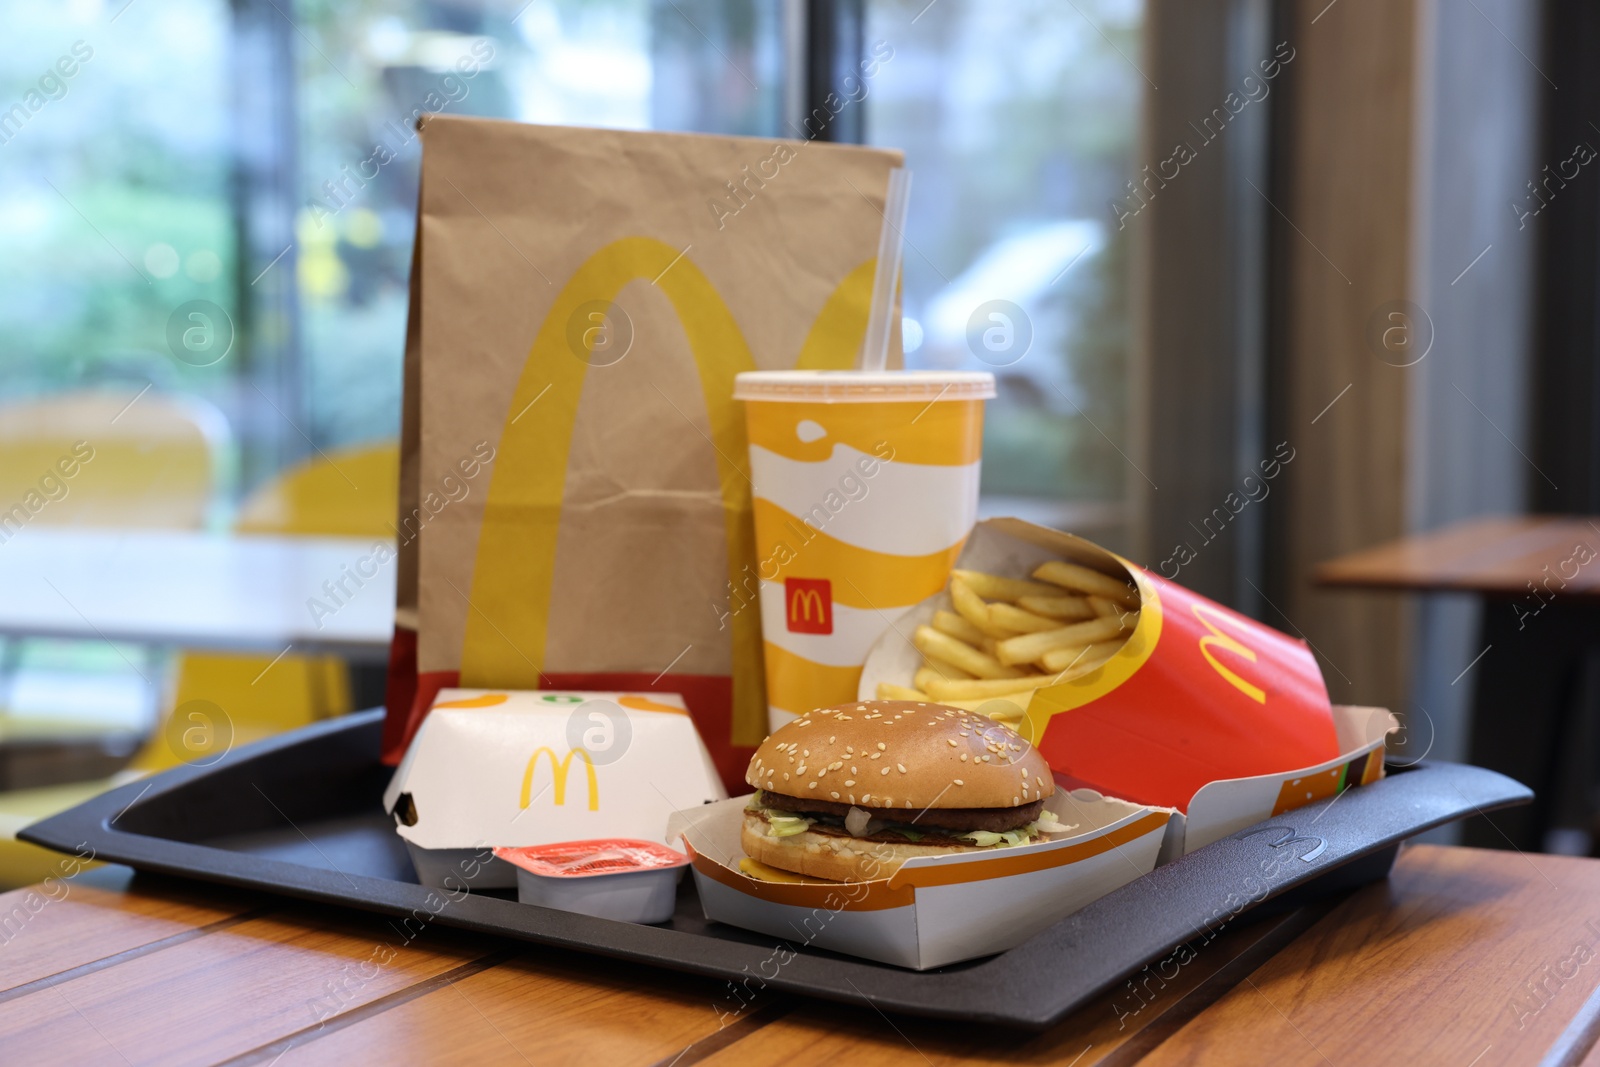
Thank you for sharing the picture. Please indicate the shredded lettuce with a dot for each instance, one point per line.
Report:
(1046, 823)
(991, 839)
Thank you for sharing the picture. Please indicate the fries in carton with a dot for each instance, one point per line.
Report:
(503, 769)
(1202, 721)
(936, 910)
(1190, 705)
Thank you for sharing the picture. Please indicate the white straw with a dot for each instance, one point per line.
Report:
(891, 246)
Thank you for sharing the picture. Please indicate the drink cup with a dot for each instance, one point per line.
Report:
(866, 487)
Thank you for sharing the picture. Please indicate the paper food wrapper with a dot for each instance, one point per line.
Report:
(941, 910)
(506, 769)
(1198, 694)
(575, 473)
(933, 910)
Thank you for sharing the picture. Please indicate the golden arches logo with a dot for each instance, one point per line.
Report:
(805, 602)
(509, 625)
(558, 776)
(1226, 643)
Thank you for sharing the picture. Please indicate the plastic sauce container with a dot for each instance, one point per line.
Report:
(616, 878)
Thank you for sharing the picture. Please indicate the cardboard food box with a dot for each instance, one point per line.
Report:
(1225, 807)
(1203, 709)
(935, 910)
(942, 910)
(1206, 722)
(492, 769)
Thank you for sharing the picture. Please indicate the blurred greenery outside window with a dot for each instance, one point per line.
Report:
(126, 200)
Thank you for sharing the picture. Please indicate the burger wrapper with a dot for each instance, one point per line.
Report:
(934, 911)
(1198, 694)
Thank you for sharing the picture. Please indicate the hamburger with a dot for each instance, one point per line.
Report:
(849, 793)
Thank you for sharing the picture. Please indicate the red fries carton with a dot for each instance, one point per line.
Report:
(1198, 694)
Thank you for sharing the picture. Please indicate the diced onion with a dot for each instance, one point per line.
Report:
(857, 821)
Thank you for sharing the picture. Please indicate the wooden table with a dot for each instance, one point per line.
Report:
(1495, 556)
(1463, 957)
(1539, 579)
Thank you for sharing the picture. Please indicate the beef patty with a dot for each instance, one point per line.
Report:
(997, 820)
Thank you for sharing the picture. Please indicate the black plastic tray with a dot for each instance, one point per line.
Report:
(301, 814)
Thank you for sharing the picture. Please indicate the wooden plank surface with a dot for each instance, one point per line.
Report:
(1457, 959)
(1461, 954)
(1498, 556)
(69, 922)
(544, 1007)
(228, 992)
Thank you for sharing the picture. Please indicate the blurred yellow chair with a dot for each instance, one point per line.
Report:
(346, 493)
(137, 458)
(129, 458)
(153, 458)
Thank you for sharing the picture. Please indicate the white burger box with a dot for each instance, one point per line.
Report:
(504, 769)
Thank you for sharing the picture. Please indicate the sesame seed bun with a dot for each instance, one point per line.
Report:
(901, 754)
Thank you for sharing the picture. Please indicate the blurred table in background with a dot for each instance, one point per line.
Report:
(1539, 579)
(278, 597)
(240, 593)
(1495, 556)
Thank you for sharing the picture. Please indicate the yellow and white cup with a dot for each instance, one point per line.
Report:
(866, 487)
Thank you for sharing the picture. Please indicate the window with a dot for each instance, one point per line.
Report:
(1019, 122)
(138, 187)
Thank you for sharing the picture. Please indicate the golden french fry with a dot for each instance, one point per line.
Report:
(890, 691)
(936, 645)
(993, 587)
(1029, 647)
(1070, 608)
(949, 622)
(974, 610)
(1075, 661)
(1105, 606)
(1057, 660)
(944, 668)
(977, 688)
(1083, 580)
(1016, 621)
(935, 673)
(1008, 709)
(941, 669)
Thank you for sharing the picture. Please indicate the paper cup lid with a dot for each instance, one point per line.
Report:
(859, 386)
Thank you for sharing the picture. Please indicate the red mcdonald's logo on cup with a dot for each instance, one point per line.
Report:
(808, 605)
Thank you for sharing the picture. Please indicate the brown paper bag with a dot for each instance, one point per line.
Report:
(583, 300)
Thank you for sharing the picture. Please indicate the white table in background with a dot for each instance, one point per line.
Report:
(237, 593)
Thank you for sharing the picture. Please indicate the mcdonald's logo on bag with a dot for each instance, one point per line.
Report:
(808, 605)
(558, 776)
